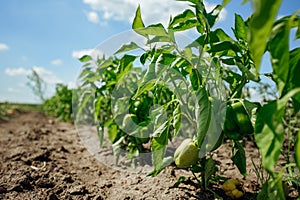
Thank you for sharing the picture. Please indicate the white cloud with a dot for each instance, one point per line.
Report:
(93, 17)
(92, 52)
(46, 75)
(17, 71)
(56, 62)
(153, 11)
(3, 47)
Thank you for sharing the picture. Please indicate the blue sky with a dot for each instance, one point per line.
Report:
(50, 35)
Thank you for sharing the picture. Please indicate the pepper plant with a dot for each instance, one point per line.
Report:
(196, 91)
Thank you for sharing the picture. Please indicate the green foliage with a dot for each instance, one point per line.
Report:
(60, 105)
(178, 92)
(269, 126)
(261, 24)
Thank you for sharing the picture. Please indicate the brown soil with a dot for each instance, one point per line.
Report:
(42, 158)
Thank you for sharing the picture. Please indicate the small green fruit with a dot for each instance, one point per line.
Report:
(242, 118)
(186, 154)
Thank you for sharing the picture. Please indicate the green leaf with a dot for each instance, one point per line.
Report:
(251, 73)
(269, 133)
(116, 148)
(240, 28)
(85, 72)
(104, 64)
(166, 161)
(182, 17)
(188, 24)
(203, 113)
(112, 132)
(138, 23)
(223, 46)
(239, 157)
(85, 58)
(158, 148)
(297, 36)
(164, 61)
(154, 29)
(127, 47)
(225, 2)
(84, 99)
(218, 35)
(228, 61)
(161, 129)
(159, 39)
(279, 53)
(269, 130)
(176, 120)
(124, 67)
(97, 106)
(284, 69)
(184, 21)
(180, 180)
(209, 170)
(260, 27)
(145, 87)
(195, 78)
(294, 81)
(251, 109)
(213, 15)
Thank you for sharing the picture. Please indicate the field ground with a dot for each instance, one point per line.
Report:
(42, 158)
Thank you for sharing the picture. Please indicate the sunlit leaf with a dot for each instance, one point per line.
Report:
(159, 39)
(176, 120)
(182, 17)
(85, 72)
(203, 113)
(260, 27)
(218, 35)
(240, 28)
(186, 25)
(223, 46)
(125, 66)
(225, 2)
(158, 148)
(154, 29)
(279, 51)
(213, 15)
(138, 23)
(85, 58)
(127, 47)
(269, 130)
